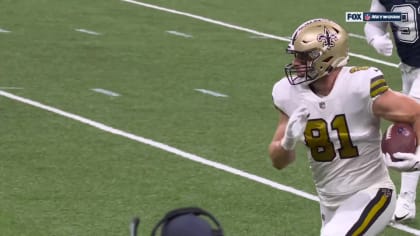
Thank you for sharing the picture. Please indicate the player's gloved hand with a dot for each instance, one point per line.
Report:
(409, 161)
(295, 128)
(382, 44)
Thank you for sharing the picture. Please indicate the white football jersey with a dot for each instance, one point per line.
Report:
(342, 134)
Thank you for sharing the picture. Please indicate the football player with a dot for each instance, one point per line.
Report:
(335, 110)
(406, 37)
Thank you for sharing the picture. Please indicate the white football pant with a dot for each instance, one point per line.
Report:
(365, 213)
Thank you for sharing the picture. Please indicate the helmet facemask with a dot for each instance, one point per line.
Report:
(306, 72)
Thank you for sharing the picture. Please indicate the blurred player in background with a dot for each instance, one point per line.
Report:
(335, 110)
(406, 37)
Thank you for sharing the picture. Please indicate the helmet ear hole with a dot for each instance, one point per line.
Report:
(336, 30)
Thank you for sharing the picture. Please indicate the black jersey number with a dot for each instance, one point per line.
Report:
(318, 139)
(407, 28)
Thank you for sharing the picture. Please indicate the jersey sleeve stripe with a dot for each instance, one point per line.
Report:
(377, 86)
(376, 80)
(378, 91)
(372, 211)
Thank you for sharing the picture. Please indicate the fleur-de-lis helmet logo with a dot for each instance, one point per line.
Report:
(327, 38)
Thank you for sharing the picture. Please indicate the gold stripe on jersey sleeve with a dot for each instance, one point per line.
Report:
(378, 86)
(371, 212)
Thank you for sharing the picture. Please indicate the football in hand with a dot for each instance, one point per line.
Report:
(399, 137)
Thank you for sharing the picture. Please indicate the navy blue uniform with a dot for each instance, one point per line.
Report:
(406, 32)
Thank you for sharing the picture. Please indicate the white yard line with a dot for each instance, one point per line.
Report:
(258, 37)
(405, 228)
(212, 93)
(106, 92)
(390, 64)
(4, 31)
(357, 36)
(179, 34)
(87, 31)
(224, 24)
(217, 22)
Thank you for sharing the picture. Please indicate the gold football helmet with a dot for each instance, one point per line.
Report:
(320, 45)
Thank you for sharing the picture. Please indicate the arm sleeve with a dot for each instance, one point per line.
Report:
(375, 28)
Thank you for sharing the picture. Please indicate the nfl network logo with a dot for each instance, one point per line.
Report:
(384, 16)
(375, 16)
(353, 16)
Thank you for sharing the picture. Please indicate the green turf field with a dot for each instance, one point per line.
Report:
(61, 176)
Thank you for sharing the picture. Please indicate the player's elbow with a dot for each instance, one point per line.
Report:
(417, 111)
(280, 158)
(416, 119)
(415, 114)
